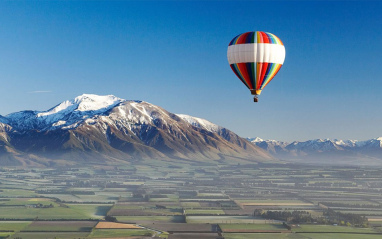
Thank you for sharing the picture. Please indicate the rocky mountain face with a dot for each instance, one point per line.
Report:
(107, 129)
(325, 150)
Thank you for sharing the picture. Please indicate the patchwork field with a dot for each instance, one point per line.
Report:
(147, 199)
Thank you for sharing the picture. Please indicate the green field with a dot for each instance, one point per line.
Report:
(26, 201)
(224, 219)
(17, 193)
(204, 212)
(13, 225)
(119, 206)
(363, 212)
(272, 202)
(247, 226)
(329, 228)
(261, 236)
(138, 219)
(190, 204)
(25, 209)
(338, 236)
(167, 199)
(91, 210)
(4, 235)
(299, 236)
(167, 211)
(96, 233)
(56, 212)
(60, 226)
(50, 235)
(98, 197)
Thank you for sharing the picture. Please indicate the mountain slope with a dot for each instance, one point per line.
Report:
(100, 129)
(8, 154)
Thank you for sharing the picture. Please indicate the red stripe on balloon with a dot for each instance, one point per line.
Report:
(259, 67)
(265, 37)
(264, 70)
(242, 38)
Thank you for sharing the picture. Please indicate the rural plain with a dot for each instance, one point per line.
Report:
(172, 199)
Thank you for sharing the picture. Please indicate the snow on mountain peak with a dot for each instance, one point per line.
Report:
(255, 140)
(85, 102)
(65, 113)
(320, 145)
(200, 123)
(89, 102)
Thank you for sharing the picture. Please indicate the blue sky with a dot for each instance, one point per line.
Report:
(173, 54)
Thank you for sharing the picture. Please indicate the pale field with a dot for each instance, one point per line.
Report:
(275, 204)
(374, 219)
(228, 219)
(133, 183)
(115, 225)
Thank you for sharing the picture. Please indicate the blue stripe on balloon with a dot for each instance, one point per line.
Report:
(249, 38)
(234, 40)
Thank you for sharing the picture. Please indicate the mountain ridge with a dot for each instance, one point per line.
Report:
(92, 128)
(319, 150)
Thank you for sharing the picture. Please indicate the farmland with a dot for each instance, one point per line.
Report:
(191, 200)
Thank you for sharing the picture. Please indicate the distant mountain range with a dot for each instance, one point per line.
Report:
(107, 129)
(368, 152)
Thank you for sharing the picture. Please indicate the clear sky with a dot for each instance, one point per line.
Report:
(174, 54)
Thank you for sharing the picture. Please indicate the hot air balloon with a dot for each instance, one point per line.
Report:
(255, 58)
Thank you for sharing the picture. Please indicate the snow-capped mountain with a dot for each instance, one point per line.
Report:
(201, 123)
(272, 146)
(65, 115)
(107, 128)
(321, 148)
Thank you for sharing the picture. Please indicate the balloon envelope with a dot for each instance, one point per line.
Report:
(255, 58)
